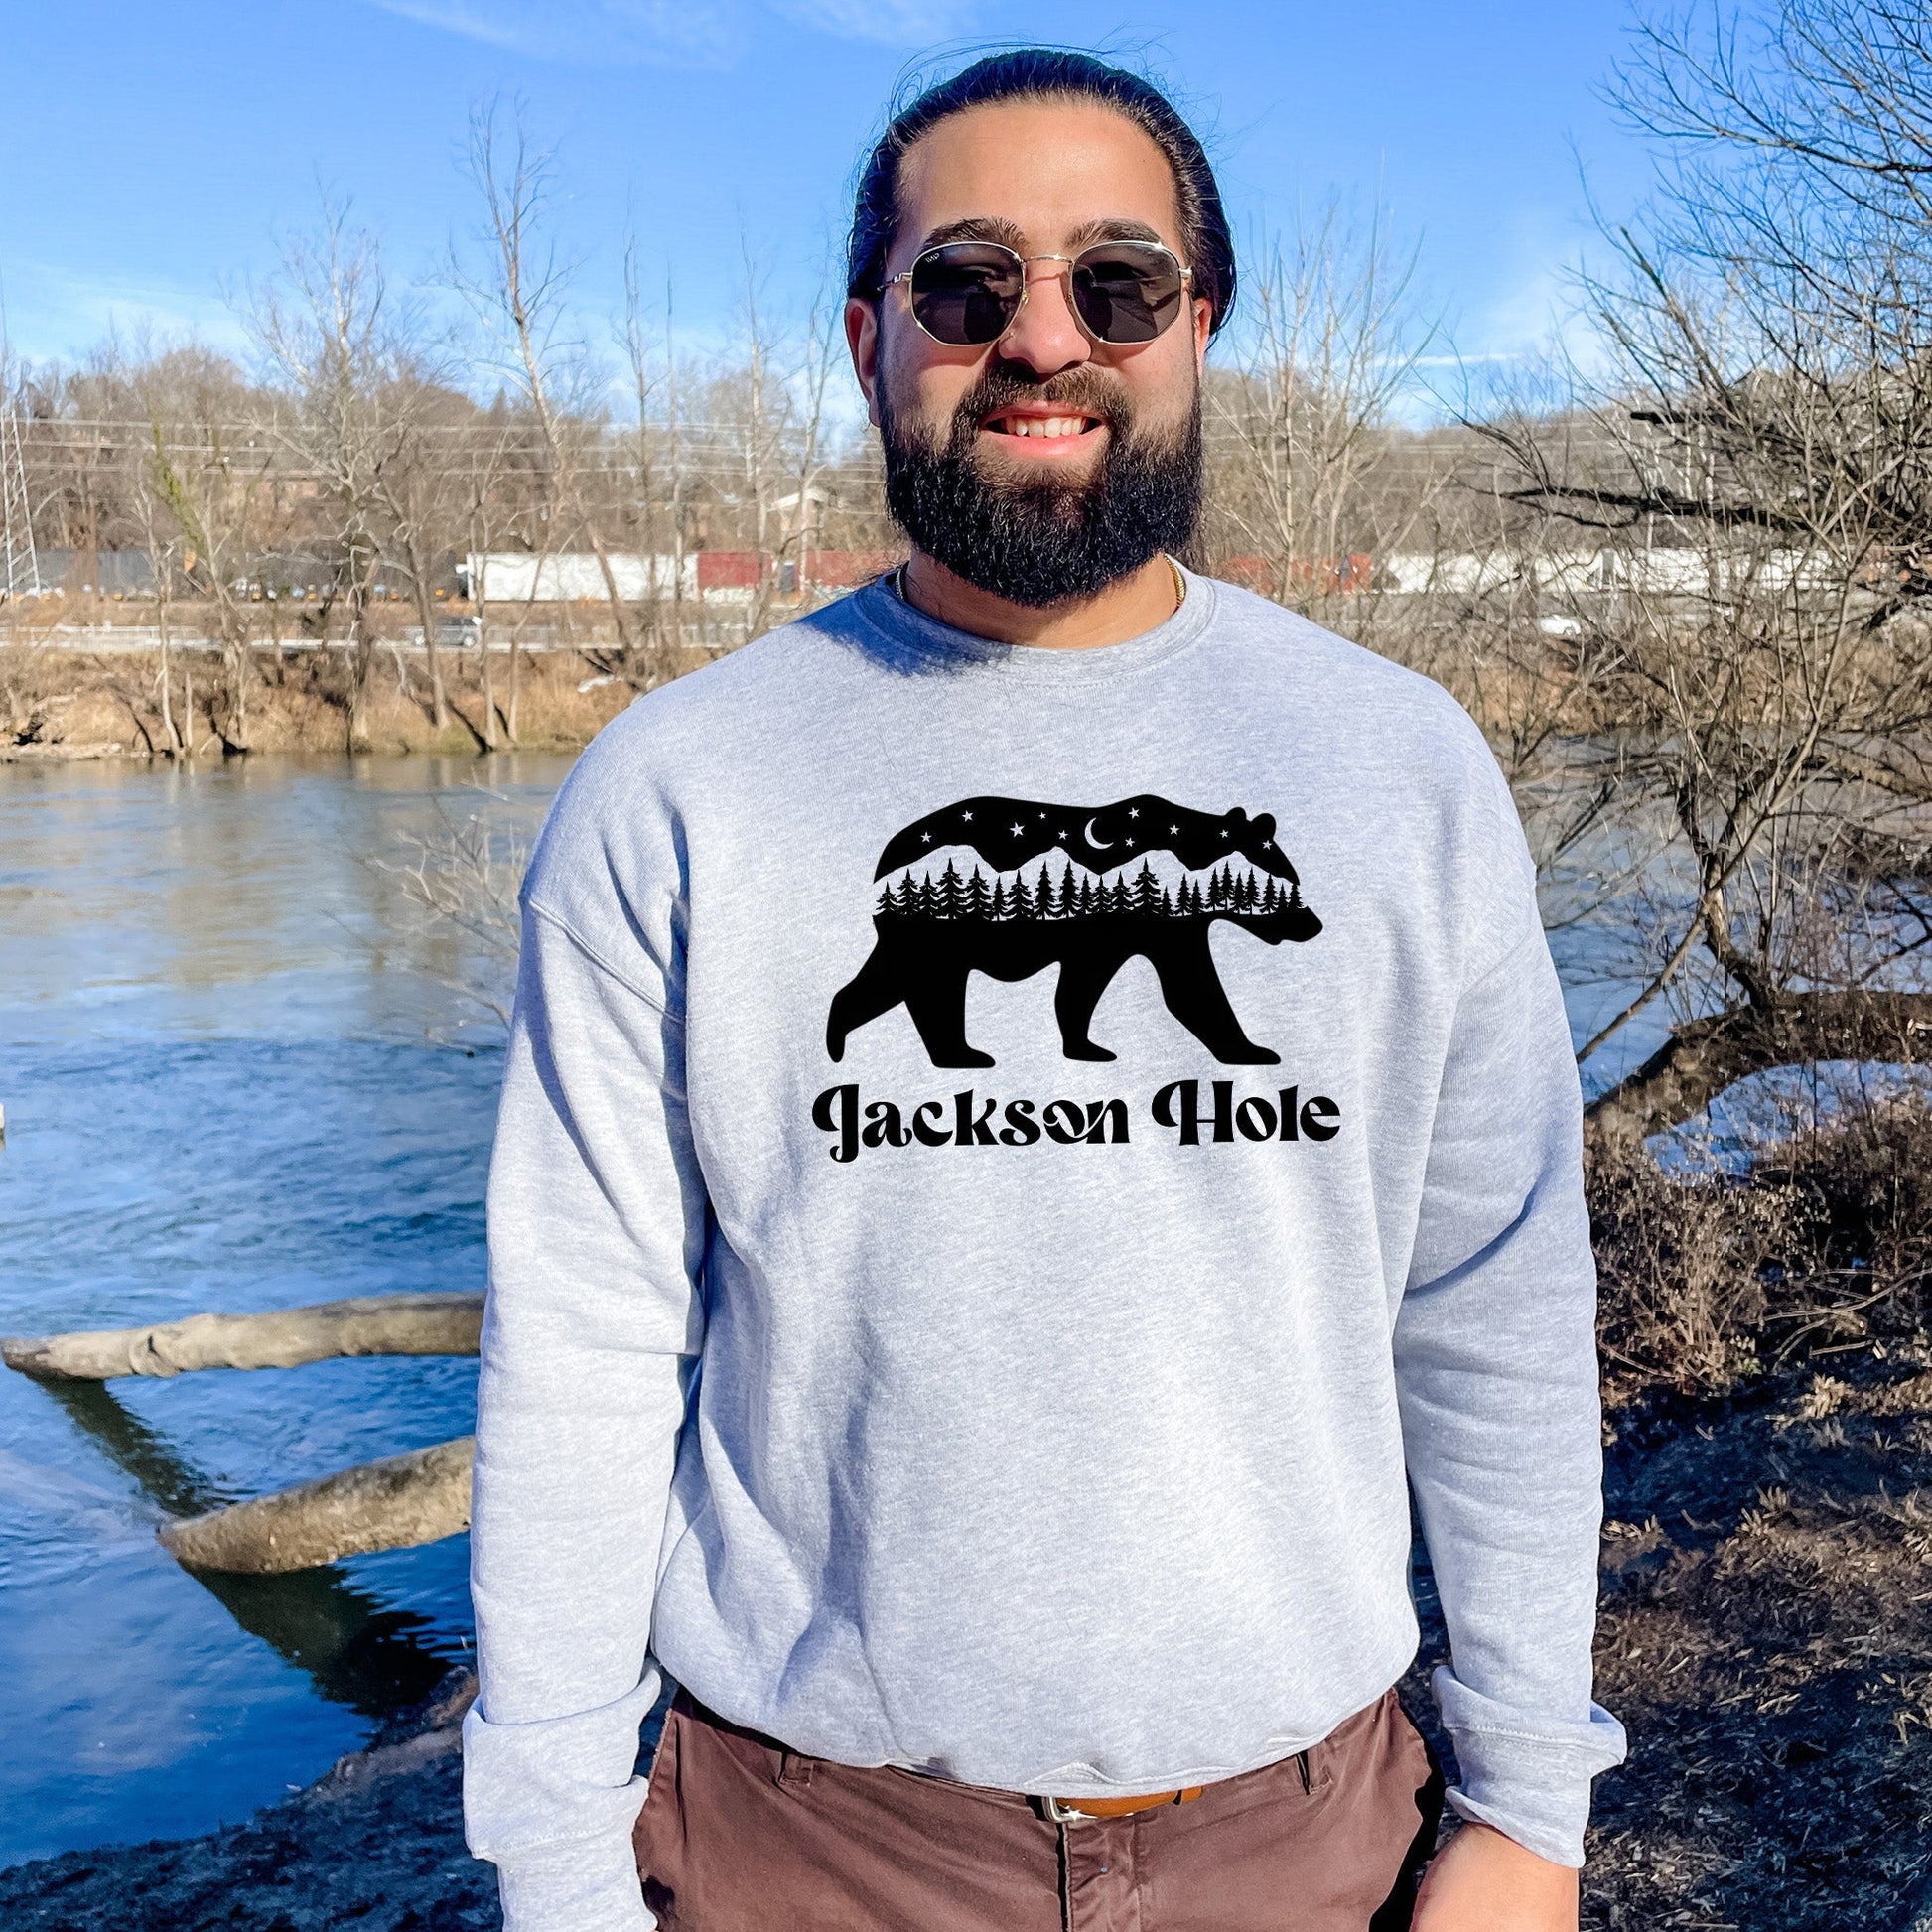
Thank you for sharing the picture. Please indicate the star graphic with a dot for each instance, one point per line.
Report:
(1043, 814)
(1133, 811)
(926, 838)
(1018, 831)
(1060, 834)
(966, 818)
(1172, 829)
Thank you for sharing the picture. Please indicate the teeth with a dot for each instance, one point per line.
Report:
(1045, 425)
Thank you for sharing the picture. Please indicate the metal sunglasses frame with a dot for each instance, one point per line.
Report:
(1067, 263)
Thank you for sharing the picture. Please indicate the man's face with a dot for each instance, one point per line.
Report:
(971, 470)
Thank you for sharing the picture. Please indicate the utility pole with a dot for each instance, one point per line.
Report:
(20, 570)
(19, 564)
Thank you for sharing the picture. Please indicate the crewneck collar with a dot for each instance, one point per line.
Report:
(906, 626)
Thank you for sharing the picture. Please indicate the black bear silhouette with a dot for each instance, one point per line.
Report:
(932, 934)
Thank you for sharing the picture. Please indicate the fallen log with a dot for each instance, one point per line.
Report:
(367, 1324)
(392, 1504)
(1703, 1057)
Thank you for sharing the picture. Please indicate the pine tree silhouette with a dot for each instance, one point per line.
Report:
(978, 903)
(1089, 893)
(1002, 906)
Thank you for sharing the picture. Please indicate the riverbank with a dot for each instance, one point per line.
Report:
(57, 704)
(377, 1844)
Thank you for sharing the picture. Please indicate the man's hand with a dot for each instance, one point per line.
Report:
(1482, 1881)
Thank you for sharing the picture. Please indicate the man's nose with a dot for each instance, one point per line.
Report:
(1044, 335)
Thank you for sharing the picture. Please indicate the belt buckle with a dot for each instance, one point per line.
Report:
(1061, 1814)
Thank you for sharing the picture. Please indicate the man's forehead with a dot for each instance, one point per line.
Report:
(1035, 174)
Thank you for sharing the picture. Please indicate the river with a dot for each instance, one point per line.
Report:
(235, 1076)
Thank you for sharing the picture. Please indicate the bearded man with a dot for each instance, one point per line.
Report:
(998, 1409)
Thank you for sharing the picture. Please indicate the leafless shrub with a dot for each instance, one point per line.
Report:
(1823, 1242)
(462, 877)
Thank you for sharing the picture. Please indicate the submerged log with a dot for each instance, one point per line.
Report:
(367, 1324)
(389, 1505)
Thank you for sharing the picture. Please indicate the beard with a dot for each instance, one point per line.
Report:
(1054, 540)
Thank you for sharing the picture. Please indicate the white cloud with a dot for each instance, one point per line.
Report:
(682, 32)
(53, 313)
(896, 23)
(696, 32)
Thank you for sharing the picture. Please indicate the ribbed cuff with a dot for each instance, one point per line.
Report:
(1530, 1780)
(574, 1886)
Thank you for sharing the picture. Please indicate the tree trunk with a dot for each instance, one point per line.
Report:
(361, 631)
(1704, 1057)
(426, 610)
(367, 1325)
(392, 1504)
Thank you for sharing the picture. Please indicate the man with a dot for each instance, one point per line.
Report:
(1038, 1097)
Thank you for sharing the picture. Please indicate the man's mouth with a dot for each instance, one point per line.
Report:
(1033, 425)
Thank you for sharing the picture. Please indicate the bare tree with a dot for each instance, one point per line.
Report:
(322, 330)
(207, 472)
(521, 296)
(1759, 487)
(1309, 476)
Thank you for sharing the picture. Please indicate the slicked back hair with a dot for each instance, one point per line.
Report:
(1047, 74)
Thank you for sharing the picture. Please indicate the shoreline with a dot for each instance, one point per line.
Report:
(66, 706)
(376, 1841)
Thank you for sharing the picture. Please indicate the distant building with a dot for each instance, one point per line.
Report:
(728, 576)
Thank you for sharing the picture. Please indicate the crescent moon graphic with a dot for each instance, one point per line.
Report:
(1099, 845)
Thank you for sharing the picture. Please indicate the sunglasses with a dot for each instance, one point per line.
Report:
(966, 294)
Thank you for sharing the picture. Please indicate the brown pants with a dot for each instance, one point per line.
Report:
(739, 1835)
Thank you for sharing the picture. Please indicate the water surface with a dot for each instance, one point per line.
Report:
(235, 1076)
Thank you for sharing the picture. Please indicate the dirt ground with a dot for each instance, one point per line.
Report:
(1767, 1638)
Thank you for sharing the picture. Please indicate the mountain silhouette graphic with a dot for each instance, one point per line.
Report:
(933, 931)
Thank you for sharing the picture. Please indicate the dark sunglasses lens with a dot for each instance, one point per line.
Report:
(1127, 293)
(966, 292)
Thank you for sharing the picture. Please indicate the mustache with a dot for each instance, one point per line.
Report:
(1083, 391)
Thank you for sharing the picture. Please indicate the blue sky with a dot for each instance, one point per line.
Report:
(151, 154)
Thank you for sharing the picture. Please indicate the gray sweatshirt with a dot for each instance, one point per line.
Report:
(1007, 1156)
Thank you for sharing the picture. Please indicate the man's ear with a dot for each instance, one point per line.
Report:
(1203, 328)
(862, 338)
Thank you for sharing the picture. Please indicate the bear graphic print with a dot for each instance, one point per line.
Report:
(1100, 907)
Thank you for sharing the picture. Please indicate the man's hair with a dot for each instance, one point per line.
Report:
(1045, 73)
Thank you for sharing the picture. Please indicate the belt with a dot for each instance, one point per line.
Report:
(1090, 1811)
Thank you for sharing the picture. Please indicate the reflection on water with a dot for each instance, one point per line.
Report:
(219, 1060)
(354, 1651)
